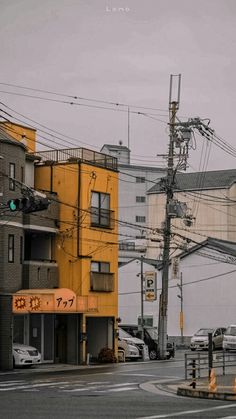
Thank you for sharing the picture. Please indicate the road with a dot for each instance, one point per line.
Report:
(131, 390)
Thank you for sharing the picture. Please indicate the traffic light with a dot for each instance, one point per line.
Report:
(28, 204)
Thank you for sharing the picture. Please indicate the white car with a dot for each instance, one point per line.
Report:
(131, 352)
(138, 343)
(25, 355)
(229, 342)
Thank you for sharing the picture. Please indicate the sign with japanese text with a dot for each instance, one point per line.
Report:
(61, 300)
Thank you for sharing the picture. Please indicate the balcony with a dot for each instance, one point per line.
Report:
(101, 282)
(40, 274)
(73, 155)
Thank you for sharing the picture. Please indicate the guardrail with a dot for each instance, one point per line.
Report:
(200, 360)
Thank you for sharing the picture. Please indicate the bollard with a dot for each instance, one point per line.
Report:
(193, 374)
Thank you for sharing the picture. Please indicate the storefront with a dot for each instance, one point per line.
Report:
(54, 321)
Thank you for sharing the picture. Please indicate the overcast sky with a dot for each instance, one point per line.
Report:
(90, 49)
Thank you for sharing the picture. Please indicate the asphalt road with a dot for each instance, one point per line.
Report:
(131, 390)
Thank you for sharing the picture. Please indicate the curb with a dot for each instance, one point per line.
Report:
(205, 394)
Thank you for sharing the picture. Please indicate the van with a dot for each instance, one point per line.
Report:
(151, 340)
(229, 342)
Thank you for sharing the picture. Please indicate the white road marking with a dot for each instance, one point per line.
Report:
(140, 375)
(95, 387)
(21, 387)
(116, 390)
(188, 412)
(11, 383)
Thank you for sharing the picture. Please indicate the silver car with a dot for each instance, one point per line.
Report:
(200, 338)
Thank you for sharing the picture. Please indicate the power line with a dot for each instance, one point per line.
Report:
(78, 97)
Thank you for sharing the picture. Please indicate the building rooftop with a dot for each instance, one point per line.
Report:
(73, 155)
(216, 179)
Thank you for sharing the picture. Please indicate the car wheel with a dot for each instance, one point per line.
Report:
(153, 354)
(193, 349)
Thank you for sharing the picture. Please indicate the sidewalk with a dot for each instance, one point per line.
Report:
(225, 388)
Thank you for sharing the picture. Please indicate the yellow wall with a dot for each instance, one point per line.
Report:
(94, 243)
(21, 133)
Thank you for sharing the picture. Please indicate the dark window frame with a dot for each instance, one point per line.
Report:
(101, 265)
(141, 199)
(12, 174)
(140, 179)
(140, 219)
(11, 248)
(101, 213)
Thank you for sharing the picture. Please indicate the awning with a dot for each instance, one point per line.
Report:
(58, 300)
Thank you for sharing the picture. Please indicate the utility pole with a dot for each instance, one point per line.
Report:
(141, 276)
(169, 184)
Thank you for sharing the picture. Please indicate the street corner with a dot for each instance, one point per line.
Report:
(204, 393)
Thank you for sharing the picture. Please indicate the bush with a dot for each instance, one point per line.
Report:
(106, 355)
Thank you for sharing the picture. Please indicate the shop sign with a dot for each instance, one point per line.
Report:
(61, 300)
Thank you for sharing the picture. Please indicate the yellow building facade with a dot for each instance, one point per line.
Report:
(86, 247)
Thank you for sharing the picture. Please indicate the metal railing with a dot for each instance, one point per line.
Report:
(74, 154)
(220, 359)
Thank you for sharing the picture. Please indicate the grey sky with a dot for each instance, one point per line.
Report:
(84, 48)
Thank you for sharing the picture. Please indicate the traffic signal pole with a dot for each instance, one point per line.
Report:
(169, 184)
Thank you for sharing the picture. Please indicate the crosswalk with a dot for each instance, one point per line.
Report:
(74, 386)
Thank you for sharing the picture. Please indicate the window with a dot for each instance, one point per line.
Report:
(127, 246)
(140, 198)
(12, 174)
(100, 211)
(21, 249)
(11, 248)
(100, 267)
(101, 279)
(140, 219)
(140, 179)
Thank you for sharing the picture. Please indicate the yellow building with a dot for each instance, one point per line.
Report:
(86, 248)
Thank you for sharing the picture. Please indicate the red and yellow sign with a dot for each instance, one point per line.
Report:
(60, 300)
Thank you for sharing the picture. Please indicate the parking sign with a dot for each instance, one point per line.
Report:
(150, 286)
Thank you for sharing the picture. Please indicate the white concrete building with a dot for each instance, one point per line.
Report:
(134, 182)
(210, 198)
(209, 290)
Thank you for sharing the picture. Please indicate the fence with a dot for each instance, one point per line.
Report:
(220, 359)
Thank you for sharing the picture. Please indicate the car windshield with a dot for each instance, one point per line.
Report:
(152, 331)
(231, 330)
(123, 334)
(203, 332)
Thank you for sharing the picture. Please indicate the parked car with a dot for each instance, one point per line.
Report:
(138, 343)
(131, 352)
(25, 355)
(200, 339)
(229, 341)
(150, 339)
